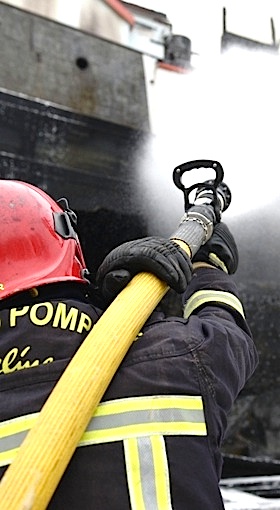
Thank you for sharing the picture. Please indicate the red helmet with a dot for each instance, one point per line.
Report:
(38, 241)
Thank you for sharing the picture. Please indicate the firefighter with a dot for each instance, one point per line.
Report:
(154, 442)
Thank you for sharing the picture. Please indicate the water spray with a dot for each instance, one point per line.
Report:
(35, 472)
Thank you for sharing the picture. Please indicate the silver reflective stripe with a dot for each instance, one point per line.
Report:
(12, 434)
(144, 416)
(212, 296)
(147, 473)
(141, 423)
(10, 442)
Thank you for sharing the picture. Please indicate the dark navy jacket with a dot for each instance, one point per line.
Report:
(201, 361)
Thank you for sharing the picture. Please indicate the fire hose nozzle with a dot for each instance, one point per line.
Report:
(211, 198)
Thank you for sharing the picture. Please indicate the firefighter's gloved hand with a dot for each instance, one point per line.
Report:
(220, 251)
(162, 257)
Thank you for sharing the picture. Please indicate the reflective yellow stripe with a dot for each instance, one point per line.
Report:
(141, 423)
(12, 433)
(121, 419)
(144, 416)
(16, 425)
(147, 473)
(149, 403)
(217, 261)
(161, 473)
(133, 471)
(166, 429)
(212, 296)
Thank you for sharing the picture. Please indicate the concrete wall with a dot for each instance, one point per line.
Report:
(139, 28)
(96, 16)
(44, 59)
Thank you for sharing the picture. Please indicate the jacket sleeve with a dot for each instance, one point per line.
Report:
(212, 287)
(226, 355)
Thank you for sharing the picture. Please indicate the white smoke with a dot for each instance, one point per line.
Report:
(227, 110)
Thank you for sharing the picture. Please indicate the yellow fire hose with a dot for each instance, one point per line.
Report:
(31, 480)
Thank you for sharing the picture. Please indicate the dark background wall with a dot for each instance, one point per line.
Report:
(73, 111)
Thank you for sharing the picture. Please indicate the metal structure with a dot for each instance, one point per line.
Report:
(230, 39)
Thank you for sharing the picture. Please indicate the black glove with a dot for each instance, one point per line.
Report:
(162, 257)
(220, 251)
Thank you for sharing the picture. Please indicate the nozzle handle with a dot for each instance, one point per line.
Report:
(198, 163)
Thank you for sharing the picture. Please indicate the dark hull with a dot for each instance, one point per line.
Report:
(87, 160)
